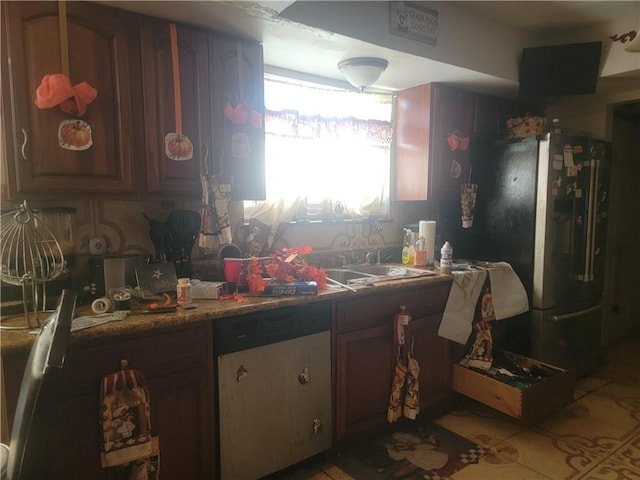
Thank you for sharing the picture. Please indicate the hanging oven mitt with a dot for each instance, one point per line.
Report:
(400, 322)
(125, 418)
(411, 406)
(394, 411)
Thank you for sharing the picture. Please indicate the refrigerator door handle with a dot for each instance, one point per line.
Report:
(588, 253)
(567, 316)
(594, 213)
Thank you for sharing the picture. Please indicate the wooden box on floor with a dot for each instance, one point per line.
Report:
(529, 405)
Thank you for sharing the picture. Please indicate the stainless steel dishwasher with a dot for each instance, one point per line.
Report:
(273, 389)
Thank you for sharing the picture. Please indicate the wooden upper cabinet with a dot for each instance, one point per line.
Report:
(102, 48)
(452, 111)
(412, 143)
(430, 163)
(237, 83)
(165, 175)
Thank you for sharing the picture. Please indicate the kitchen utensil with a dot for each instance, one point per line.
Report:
(335, 282)
(31, 256)
(185, 226)
(178, 146)
(163, 239)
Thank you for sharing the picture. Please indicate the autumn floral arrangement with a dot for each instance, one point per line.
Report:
(284, 266)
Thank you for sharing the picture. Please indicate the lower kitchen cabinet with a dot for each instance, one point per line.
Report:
(434, 354)
(178, 367)
(365, 356)
(365, 368)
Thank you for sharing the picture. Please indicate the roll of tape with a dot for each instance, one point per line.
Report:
(101, 305)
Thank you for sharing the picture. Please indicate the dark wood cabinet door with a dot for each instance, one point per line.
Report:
(487, 116)
(429, 162)
(434, 356)
(365, 362)
(452, 116)
(182, 412)
(237, 81)
(102, 46)
(178, 367)
(365, 356)
(165, 175)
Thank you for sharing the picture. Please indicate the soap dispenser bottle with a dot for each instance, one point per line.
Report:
(408, 247)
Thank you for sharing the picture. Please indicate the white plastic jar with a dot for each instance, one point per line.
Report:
(184, 291)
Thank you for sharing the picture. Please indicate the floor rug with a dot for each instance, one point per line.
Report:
(410, 452)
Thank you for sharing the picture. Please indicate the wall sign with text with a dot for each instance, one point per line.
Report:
(412, 20)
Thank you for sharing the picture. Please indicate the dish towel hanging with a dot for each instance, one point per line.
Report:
(404, 399)
(508, 295)
(215, 229)
(126, 425)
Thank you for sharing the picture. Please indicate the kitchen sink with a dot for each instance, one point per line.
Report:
(369, 274)
(347, 276)
(392, 270)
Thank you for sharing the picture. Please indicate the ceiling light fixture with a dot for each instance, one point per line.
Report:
(362, 72)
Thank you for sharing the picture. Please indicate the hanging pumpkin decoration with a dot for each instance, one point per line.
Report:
(56, 90)
(177, 146)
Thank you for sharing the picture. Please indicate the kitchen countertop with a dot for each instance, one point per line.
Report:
(18, 341)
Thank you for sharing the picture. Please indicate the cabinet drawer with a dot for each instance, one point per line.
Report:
(528, 405)
(369, 312)
(154, 356)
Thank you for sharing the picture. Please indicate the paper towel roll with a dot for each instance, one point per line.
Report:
(422, 228)
(427, 229)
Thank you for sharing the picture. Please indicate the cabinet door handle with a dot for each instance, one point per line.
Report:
(303, 378)
(317, 426)
(24, 143)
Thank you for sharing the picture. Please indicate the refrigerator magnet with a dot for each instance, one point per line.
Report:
(578, 193)
(577, 149)
(456, 169)
(572, 171)
(568, 157)
(557, 161)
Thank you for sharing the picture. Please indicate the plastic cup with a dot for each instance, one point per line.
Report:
(232, 268)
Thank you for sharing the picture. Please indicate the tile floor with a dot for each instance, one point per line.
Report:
(597, 437)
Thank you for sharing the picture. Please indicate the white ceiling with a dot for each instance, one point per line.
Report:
(293, 46)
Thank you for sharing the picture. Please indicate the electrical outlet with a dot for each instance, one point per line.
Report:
(97, 246)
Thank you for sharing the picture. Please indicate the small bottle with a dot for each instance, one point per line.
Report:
(420, 255)
(446, 258)
(184, 291)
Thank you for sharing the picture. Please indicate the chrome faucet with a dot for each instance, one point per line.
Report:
(373, 257)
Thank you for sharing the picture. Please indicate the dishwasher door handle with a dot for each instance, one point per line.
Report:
(567, 316)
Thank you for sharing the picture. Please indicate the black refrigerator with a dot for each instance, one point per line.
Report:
(542, 207)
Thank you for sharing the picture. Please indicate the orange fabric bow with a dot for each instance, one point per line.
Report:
(55, 89)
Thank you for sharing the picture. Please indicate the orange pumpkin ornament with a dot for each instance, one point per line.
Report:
(178, 147)
(74, 135)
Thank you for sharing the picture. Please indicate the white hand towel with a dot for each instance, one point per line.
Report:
(509, 296)
(458, 313)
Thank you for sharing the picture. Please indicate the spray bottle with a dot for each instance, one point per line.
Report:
(408, 247)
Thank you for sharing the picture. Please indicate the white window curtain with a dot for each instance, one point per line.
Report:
(327, 154)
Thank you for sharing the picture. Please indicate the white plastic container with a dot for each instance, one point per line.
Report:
(446, 258)
(184, 291)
